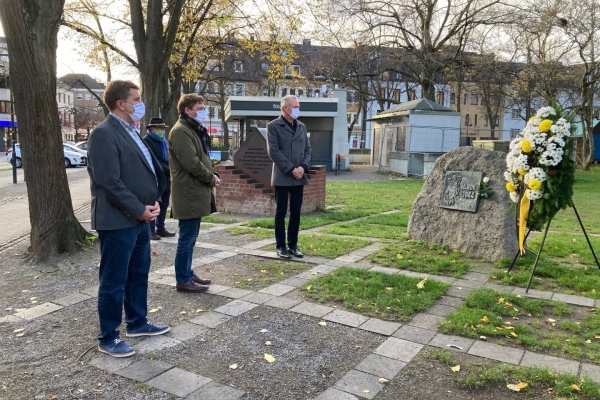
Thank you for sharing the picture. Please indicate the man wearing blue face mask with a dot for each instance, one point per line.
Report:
(288, 147)
(157, 143)
(193, 180)
(126, 182)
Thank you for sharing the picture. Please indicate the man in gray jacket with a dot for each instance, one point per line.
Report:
(126, 182)
(288, 147)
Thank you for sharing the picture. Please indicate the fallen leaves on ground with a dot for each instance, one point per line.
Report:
(421, 284)
(155, 253)
(516, 387)
(575, 387)
(268, 343)
(322, 323)
(263, 331)
(233, 366)
(269, 358)
(383, 380)
(456, 368)
(551, 321)
(485, 319)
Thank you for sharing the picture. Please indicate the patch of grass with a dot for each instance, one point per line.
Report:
(536, 324)
(329, 246)
(387, 226)
(141, 385)
(374, 197)
(218, 220)
(478, 375)
(390, 297)
(446, 357)
(550, 275)
(311, 221)
(422, 257)
(253, 233)
(570, 247)
(269, 272)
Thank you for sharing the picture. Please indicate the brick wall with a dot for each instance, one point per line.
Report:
(241, 194)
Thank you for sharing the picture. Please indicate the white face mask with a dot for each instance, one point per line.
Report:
(139, 110)
(200, 116)
(295, 112)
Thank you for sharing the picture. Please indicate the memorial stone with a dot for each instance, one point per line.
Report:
(252, 157)
(445, 212)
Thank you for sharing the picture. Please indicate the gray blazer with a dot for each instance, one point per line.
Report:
(287, 150)
(121, 180)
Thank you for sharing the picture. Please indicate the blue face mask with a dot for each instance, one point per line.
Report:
(200, 116)
(139, 110)
(295, 112)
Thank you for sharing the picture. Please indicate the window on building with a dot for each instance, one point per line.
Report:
(69, 99)
(219, 113)
(300, 92)
(238, 66)
(440, 97)
(485, 120)
(515, 113)
(396, 95)
(452, 98)
(293, 92)
(514, 133)
(265, 90)
(79, 96)
(240, 89)
(497, 120)
(465, 99)
(4, 107)
(475, 120)
(88, 96)
(474, 100)
(284, 91)
(317, 93)
(483, 101)
(411, 95)
(292, 70)
(467, 120)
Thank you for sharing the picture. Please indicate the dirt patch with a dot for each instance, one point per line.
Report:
(309, 357)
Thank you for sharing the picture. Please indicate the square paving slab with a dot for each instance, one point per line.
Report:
(312, 309)
(380, 326)
(277, 289)
(457, 343)
(144, 370)
(334, 394)
(426, 321)
(360, 383)
(346, 318)
(381, 366)
(216, 391)
(414, 334)
(71, 299)
(178, 382)
(211, 319)
(493, 351)
(398, 349)
(186, 331)
(236, 307)
(554, 364)
(282, 302)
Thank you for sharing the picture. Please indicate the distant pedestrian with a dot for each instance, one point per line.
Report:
(157, 143)
(193, 181)
(126, 184)
(288, 147)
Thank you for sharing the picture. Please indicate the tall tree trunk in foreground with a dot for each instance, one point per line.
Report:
(31, 28)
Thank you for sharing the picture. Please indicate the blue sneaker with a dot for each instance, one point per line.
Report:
(148, 329)
(116, 348)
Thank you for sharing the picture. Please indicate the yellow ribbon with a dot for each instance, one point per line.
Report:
(523, 214)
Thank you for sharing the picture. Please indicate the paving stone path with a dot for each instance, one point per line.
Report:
(404, 341)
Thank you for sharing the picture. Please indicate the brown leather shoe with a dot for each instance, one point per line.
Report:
(191, 286)
(201, 281)
(165, 233)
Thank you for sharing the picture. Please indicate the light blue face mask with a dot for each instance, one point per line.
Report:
(295, 112)
(200, 116)
(139, 110)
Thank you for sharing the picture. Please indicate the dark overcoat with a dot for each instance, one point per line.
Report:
(287, 150)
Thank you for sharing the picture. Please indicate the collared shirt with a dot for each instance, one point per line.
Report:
(293, 125)
(131, 129)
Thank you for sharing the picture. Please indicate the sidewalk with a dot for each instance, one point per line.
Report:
(14, 211)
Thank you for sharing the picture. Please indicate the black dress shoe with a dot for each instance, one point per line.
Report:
(191, 286)
(165, 233)
(154, 236)
(200, 281)
(296, 252)
(283, 253)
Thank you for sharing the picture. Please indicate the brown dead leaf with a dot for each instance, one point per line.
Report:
(155, 253)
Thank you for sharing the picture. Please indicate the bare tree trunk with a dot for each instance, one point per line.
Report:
(31, 28)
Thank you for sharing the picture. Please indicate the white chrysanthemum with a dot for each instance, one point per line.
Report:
(514, 196)
(521, 162)
(545, 112)
(534, 194)
(537, 173)
(508, 176)
(557, 141)
(551, 158)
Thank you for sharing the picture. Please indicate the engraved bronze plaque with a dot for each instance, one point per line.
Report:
(252, 157)
(460, 190)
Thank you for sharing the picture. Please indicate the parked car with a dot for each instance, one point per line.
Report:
(75, 149)
(82, 145)
(72, 159)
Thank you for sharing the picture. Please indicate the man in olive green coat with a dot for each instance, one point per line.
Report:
(193, 178)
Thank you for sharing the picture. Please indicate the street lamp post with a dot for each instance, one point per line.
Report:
(14, 136)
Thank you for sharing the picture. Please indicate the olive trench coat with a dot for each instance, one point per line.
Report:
(192, 173)
(288, 150)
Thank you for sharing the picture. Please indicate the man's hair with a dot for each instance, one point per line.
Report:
(286, 100)
(189, 101)
(117, 90)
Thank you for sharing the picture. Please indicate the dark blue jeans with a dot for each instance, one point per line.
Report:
(159, 223)
(124, 268)
(283, 194)
(188, 233)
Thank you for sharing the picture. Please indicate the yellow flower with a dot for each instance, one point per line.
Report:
(522, 171)
(545, 125)
(511, 187)
(526, 146)
(534, 184)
